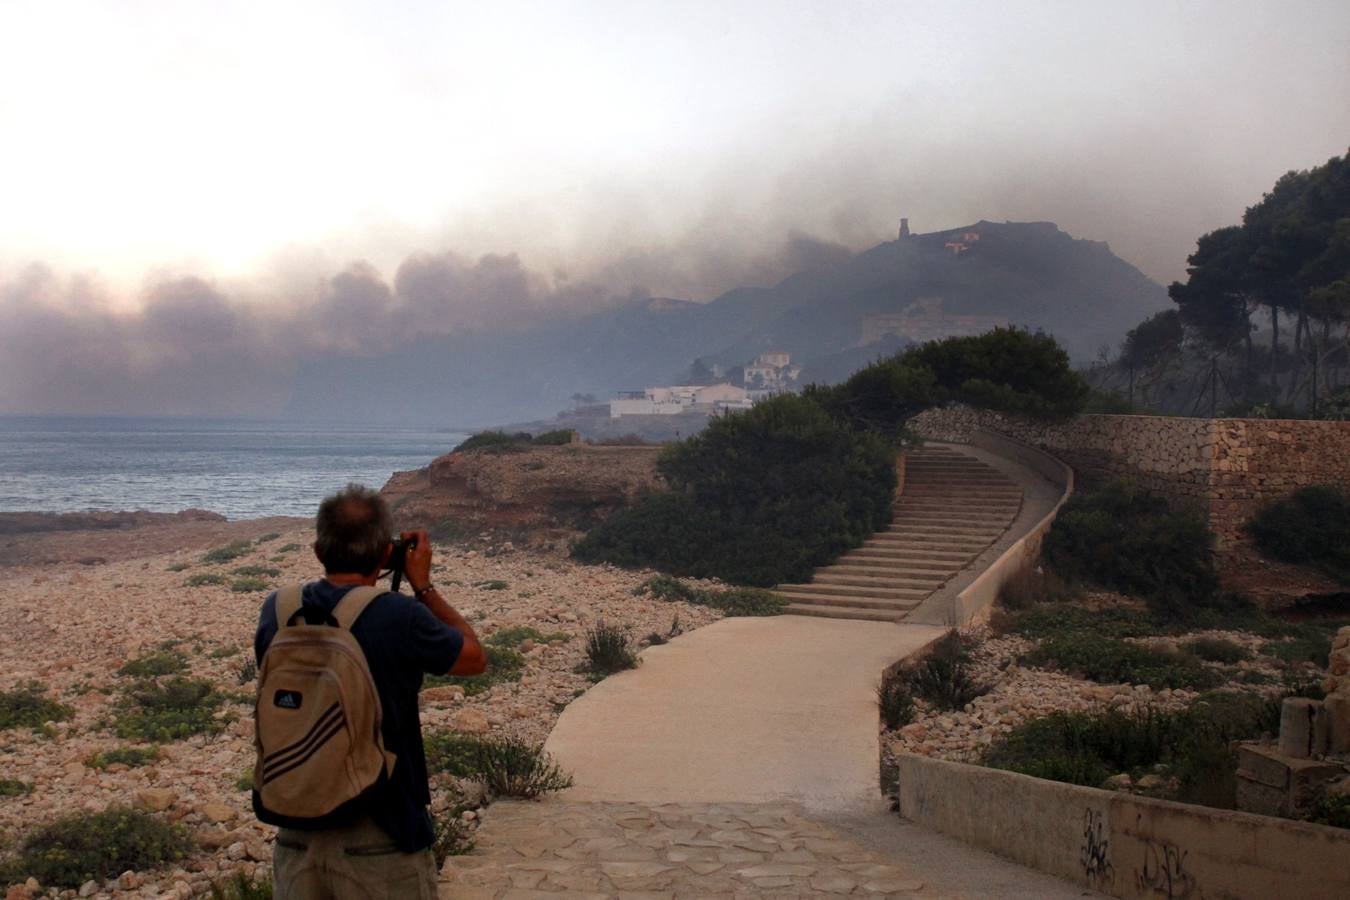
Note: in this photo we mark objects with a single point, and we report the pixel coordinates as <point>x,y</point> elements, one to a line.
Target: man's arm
<point>472,659</point>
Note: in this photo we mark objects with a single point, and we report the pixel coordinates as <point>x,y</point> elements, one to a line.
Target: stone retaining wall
<point>1230,467</point>
<point>1121,844</point>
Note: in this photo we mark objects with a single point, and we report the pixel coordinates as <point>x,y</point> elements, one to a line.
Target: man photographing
<point>341,768</point>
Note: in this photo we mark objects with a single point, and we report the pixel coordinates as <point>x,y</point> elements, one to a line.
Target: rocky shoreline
<point>71,627</point>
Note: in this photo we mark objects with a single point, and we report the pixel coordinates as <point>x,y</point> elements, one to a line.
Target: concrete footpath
<point>745,710</point>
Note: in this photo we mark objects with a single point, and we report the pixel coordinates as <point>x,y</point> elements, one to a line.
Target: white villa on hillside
<point>769,374</point>
<point>669,401</point>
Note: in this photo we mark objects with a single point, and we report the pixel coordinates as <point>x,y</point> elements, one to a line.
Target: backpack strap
<point>353,603</point>
<point>288,604</point>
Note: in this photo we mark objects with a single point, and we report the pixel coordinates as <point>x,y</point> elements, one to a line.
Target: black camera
<point>398,560</point>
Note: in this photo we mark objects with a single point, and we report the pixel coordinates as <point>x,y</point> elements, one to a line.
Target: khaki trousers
<point>359,862</point>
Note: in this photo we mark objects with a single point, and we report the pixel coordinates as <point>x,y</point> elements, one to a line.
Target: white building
<point>674,399</point>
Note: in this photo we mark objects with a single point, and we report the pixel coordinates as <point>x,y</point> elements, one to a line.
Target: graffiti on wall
<point>1163,873</point>
<point>1095,852</point>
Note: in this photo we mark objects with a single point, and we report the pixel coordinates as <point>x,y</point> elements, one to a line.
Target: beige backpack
<point>317,714</point>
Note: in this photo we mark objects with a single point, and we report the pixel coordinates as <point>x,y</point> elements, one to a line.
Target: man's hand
<point>418,566</point>
<point>472,658</point>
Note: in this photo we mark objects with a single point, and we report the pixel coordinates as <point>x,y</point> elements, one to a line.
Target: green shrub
<point>1108,402</point>
<point>135,757</point>
<point>248,585</point>
<point>232,550</point>
<point>1309,527</point>
<point>162,662</point>
<point>224,652</point>
<point>943,677</point>
<point>508,766</point>
<point>516,635</point>
<point>452,836</point>
<point>1125,538</point>
<point>178,567</point>
<point>245,781</point>
<point>1032,585</point>
<point>503,664</point>
<point>27,706</point>
<point>1194,744</point>
<point>256,571</point>
<point>247,670</point>
<point>270,536</point>
<point>96,846</point>
<point>1333,811</point>
<point>1219,650</point>
<point>732,602</point>
<point>1109,661</point>
<point>288,548</point>
<point>757,498</point>
<point>1308,647</point>
<point>1045,621</point>
<point>13,787</point>
<point>493,585</point>
<point>895,701</point>
<point>553,438</point>
<point>169,710</point>
<point>607,650</point>
<point>241,887</point>
<point>492,440</point>
<point>511,767</point>
<point>204,578</point>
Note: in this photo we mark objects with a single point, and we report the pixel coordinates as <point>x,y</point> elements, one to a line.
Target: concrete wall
<point>1124,845</point>
<point>977,599</point>
<point>1230,467</point>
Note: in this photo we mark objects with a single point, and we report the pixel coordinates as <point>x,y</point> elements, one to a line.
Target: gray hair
<point>353,529</point>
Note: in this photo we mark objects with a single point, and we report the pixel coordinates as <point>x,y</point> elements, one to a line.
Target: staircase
<point>951,508</point>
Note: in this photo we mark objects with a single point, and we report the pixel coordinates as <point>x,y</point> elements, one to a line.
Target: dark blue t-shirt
<point>402,641</point>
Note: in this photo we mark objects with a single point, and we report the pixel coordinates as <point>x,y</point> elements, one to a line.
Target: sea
<point>240,468</point>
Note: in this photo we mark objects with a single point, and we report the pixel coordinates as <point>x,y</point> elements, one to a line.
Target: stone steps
<point>952,507</point>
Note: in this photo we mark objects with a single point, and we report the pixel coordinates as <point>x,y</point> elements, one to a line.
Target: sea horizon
<point>239,467</point>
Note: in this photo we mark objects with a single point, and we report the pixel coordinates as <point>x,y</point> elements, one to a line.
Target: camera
<point>398,560</point>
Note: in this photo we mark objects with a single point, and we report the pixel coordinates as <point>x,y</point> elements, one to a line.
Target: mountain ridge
<point>966,279</point>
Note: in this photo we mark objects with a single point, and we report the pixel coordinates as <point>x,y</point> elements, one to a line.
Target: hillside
<point>964,280</point>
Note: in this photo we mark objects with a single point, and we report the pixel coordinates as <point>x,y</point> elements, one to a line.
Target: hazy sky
<point>671,147</point>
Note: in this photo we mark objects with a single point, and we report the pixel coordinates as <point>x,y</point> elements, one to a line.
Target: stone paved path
<point>634,850</point>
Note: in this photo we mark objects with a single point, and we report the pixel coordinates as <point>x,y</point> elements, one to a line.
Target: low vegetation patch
<point>96,846</point>
<point>1032,585</point>
<point>515,635</point>
<point>1309,527</point>
<point>288,548</point>
<point>732,602</point>
<point>501,441</point>
<point>161,662</point>
<point>1192,745</point>
<point>27,706</point>
<point>270,536</point>
<point>249,585</point>
<point>133,757</point>
<point>493,585</point>
<point>1123,537</point>
<point>503,664</point>
<point>895,700</point>
<point>1109,661</point>
<point>256,571</point>
<point>608,651</point>
<point>509,767</point>
<point>201,579</point>
<point>943,678</point>
<point>231,551</point>
<point>13,787</point>
<point>241,887</point>
<point>179,567</point>
<point>1218,650</point>
<point>170,710</point>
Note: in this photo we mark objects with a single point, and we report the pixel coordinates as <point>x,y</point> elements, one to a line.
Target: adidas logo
<point>287,699</point>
